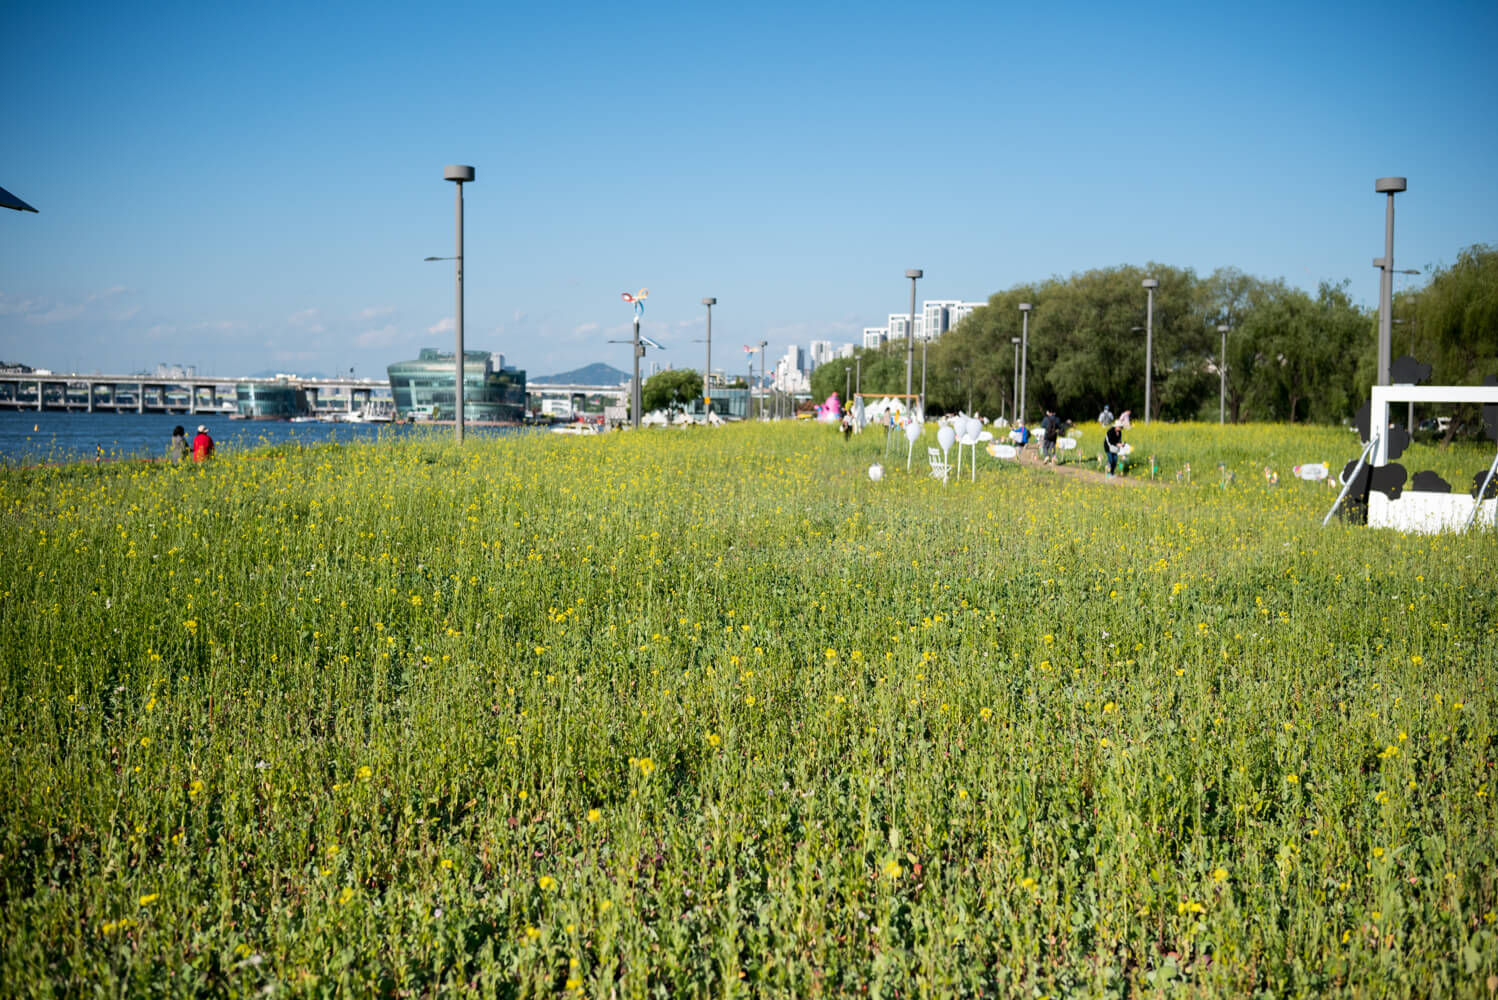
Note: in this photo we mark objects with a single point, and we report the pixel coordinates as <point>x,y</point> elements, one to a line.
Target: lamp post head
<point>915,273</point>
<point>1389,185</point>
<point>1149,283</point>
<point>1014,340</point>
<point>710,302</point>
<point>1223,328</point>
<point>457,172</point>
<point>1025,307</point>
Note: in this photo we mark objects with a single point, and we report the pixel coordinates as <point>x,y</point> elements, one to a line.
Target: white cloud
<point>583,328</point>
<point>382,337</point>
<point>53,311</point>
<point>444,325</point>
<point>307,320</point>
<point>160,330</point>
<point>374,312</point>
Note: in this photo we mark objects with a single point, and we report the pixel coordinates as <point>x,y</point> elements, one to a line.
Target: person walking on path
<point>1113,441</point>
<point>1050,430</point>
<point>1106,417</point>
<point>202,445</point>
<point>177,450</point>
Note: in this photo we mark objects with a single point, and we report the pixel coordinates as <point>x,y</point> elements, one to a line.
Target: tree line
<point>1291,355</point>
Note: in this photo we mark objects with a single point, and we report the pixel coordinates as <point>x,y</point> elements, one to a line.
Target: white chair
<point>939,466</point>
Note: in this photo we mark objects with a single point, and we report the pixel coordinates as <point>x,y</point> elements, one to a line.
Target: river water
<point>31,438</point>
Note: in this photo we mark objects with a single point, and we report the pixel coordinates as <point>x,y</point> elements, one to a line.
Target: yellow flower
<point>1187,906</point>
<point>893,869</point>
<point>1378,852</point>
<point>593,814</point>
<point>365,773</point>
<point>547,883</point>
<point>713,739</point>
<point>346,895</point>
<point>531,933</point>
<point>1292,778</point>
<point>647,766</point>
<point>446,863</point>
<point>147,900</point>
<point>1219,874</point>
<point>983,713</point>
<point>1028,884</point>
<point>196,786</point>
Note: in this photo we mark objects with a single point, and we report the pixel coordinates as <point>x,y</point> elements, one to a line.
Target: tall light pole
<point>762,345</point>
<point>707,372</point>
<point>1024,358</point>
<point>858,374</point>
<point>1222,376</point>
<point>847,382</point>
<point>1389,186</point>
<point>913,274</point>
<point>1150,284</point>
<point>1014,400</point>
<point>1379,263</point>
<point>459,175</point>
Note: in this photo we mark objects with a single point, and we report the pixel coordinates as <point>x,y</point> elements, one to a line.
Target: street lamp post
<point>459,174</point>
<point>707,372</point>
<point>762,345</point>
<point>1150,284</point>
<point>1014,400</point>
<point>1222,376</point>
<point>1024,359</point>
<point>913,274</point>
<point>847,382</point>
<point>1389,186</point>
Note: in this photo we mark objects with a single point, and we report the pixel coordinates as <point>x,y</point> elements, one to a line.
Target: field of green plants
<point>710,713</point>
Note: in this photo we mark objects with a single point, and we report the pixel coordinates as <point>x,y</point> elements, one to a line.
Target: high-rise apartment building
<point>873,336</point>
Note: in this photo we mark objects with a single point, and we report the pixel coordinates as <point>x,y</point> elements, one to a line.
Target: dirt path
<point>1079,469</point>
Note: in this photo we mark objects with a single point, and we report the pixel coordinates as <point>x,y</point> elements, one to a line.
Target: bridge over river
<point>160,394</point>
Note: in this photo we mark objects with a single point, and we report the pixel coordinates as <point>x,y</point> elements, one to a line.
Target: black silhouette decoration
<point>1407,371</point>
<point>1429,482</point>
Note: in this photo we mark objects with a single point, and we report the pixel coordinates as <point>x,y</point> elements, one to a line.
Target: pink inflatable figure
<point>831,411</point>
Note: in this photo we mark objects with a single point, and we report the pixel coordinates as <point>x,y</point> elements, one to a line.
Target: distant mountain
<point>597,373</point>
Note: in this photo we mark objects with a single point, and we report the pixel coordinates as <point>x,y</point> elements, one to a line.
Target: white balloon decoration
<point>876,472</point>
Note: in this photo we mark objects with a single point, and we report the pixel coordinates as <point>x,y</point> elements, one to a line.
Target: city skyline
<point>214,190</point>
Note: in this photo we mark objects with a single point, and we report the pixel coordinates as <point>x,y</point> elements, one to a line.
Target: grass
<point>711,713</point>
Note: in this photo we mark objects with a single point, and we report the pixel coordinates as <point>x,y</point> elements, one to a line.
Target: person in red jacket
<point>202,445</point>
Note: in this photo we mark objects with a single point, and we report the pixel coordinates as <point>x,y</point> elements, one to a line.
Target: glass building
<point>270,400</point>
<point>424,388</point>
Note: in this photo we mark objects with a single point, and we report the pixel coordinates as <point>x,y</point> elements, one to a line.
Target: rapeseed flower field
<point>694,713</point>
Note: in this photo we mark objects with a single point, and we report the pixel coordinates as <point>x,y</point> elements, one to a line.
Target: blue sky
<point>252,187</point>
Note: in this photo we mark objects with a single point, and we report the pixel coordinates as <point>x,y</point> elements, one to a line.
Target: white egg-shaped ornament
<point>876,472</point>
<point>945,437</point>
<point>913,432</point>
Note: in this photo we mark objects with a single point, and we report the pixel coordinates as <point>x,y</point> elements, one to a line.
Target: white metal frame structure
<point>1416,510</point>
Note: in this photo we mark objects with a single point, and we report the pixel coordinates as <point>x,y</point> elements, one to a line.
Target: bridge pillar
<point>140,397</point>
<point>88,387</point>
<point>38,394</point>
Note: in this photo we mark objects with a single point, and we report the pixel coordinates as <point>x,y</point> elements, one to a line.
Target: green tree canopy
<point>671,390</point>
